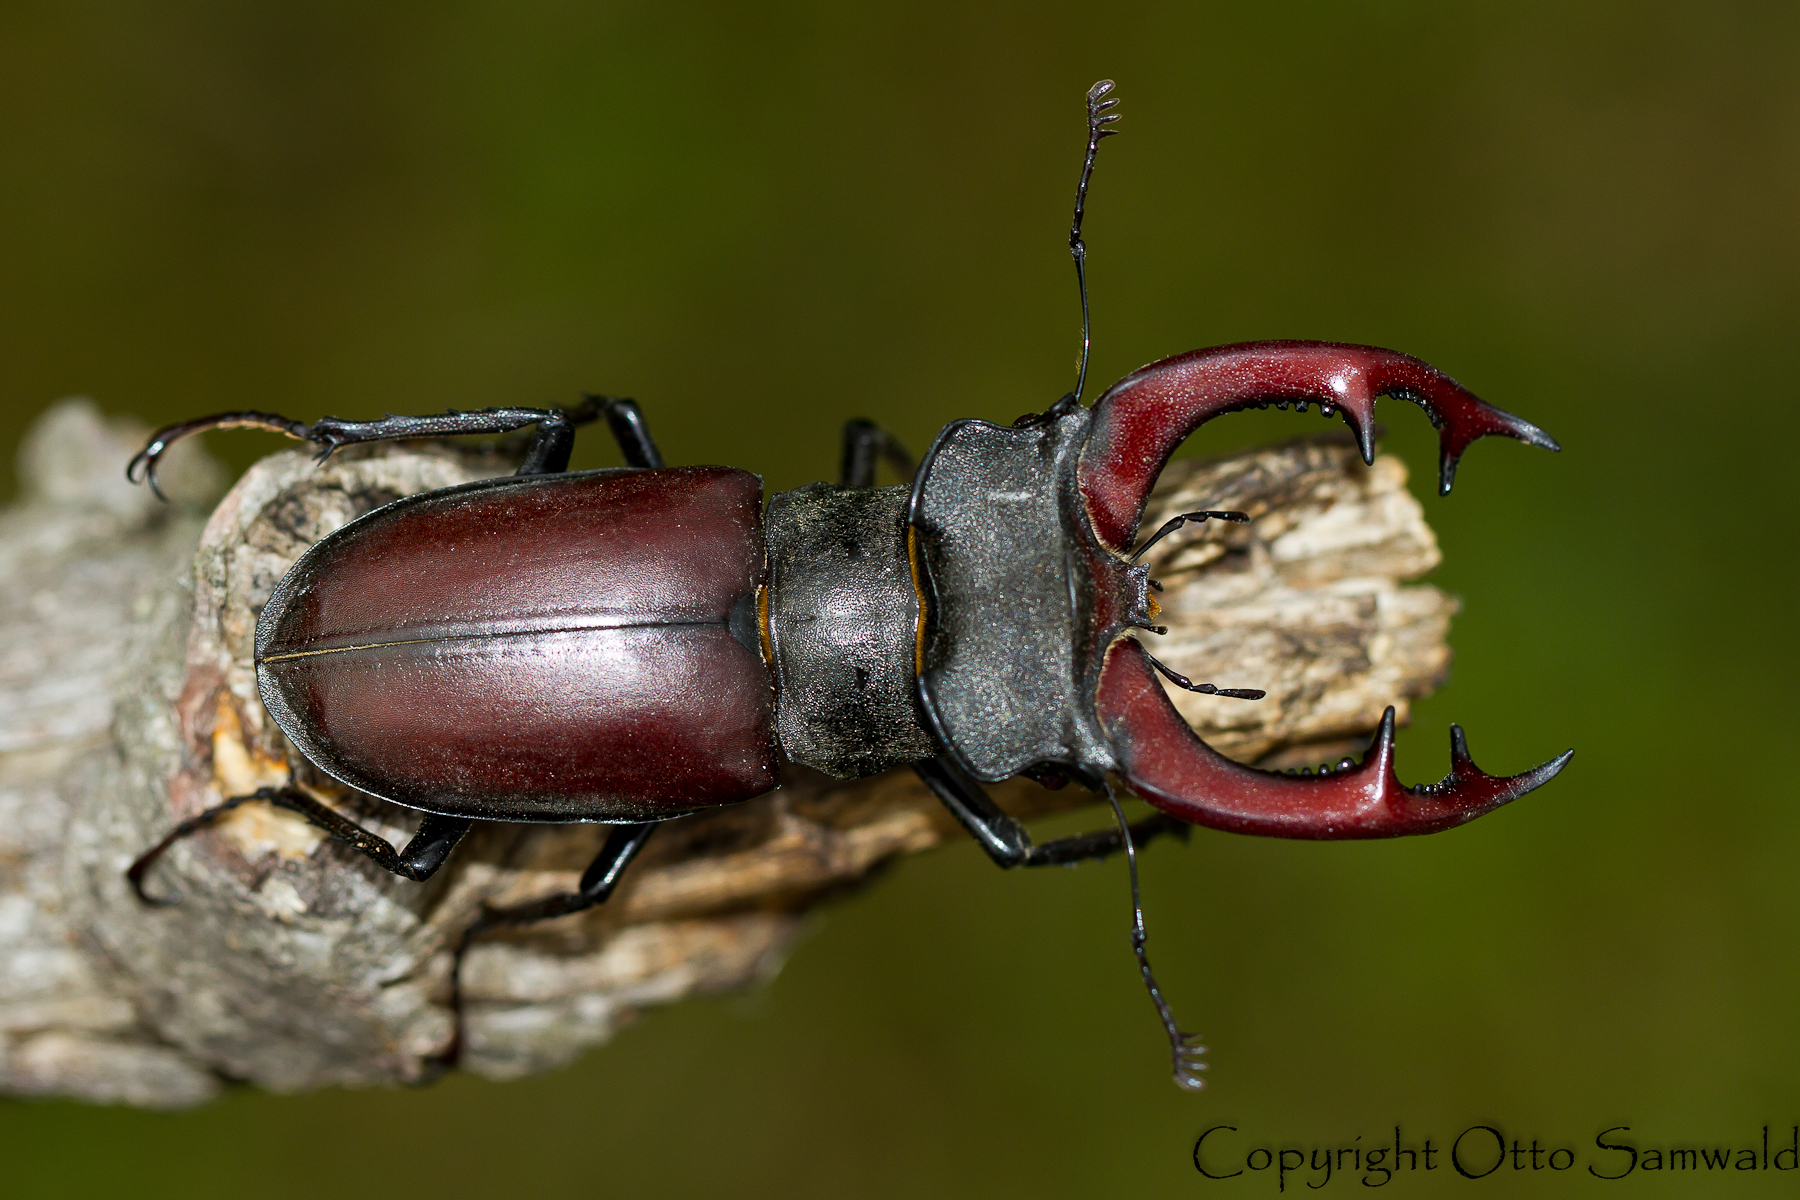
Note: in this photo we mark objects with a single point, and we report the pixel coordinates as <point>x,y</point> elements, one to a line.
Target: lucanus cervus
<point>631,645</point>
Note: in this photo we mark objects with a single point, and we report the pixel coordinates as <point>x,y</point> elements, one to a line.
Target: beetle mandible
<point>630,645</point>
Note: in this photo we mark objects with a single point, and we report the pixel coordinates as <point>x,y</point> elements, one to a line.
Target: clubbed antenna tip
<point>1187,1056</point>
<point>1100,118</point>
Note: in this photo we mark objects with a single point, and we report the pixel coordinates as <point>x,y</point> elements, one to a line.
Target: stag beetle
<point>631,645</point>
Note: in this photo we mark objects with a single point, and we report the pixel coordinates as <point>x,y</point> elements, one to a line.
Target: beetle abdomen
<point>544,648</point>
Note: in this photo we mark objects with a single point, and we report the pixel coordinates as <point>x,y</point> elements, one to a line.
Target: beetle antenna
<point>1185,1051</point>
<point>1100,117</point>
<point>1176,522</point>
<point>1205,689</point>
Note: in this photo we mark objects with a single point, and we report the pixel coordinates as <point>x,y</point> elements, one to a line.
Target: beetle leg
<point>1005,838</point>
<point>1141,419</point>
<point>142,467</point>
<point>597,883</point>
<point>547,452</point>
<point>865,444</point>
<point>427,850</point>
<point>1009,845</point>
<point>626,421</point>
<point>142,864</point>
<point>1163,761</point>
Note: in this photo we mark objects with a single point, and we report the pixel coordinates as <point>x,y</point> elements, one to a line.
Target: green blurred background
<point>763,219</point>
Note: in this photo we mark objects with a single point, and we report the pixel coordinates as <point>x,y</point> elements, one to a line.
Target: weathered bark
<point>128,700</point>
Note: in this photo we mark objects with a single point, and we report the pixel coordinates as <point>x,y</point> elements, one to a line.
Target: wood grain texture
<point>128,700</point>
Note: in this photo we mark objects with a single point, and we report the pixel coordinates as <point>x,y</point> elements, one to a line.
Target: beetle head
<point>1137,425</point>
<point>1030,658</point>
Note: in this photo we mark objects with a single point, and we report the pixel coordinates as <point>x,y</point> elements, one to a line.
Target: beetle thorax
<point>842,620</point>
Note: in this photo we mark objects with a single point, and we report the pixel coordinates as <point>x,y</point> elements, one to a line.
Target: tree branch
<point>128,701</point>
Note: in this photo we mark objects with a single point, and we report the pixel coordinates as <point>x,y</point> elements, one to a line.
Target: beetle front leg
<point>1007,841</point>
<point>1009,845</point>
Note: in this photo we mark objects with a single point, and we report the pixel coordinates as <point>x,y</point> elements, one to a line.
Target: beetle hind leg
<point>546,452</point>
<point>142,467</point>
<point>427,850</point>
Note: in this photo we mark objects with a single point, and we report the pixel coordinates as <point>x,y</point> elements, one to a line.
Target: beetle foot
<point>142,467</point>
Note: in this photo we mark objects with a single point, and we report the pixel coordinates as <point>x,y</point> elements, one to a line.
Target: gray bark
<point>128,701</point>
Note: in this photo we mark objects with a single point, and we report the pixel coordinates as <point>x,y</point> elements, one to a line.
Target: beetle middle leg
<point>625,420</point>
<point>597,883</point>
<point>427,850</point>
<point>865,445</point>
